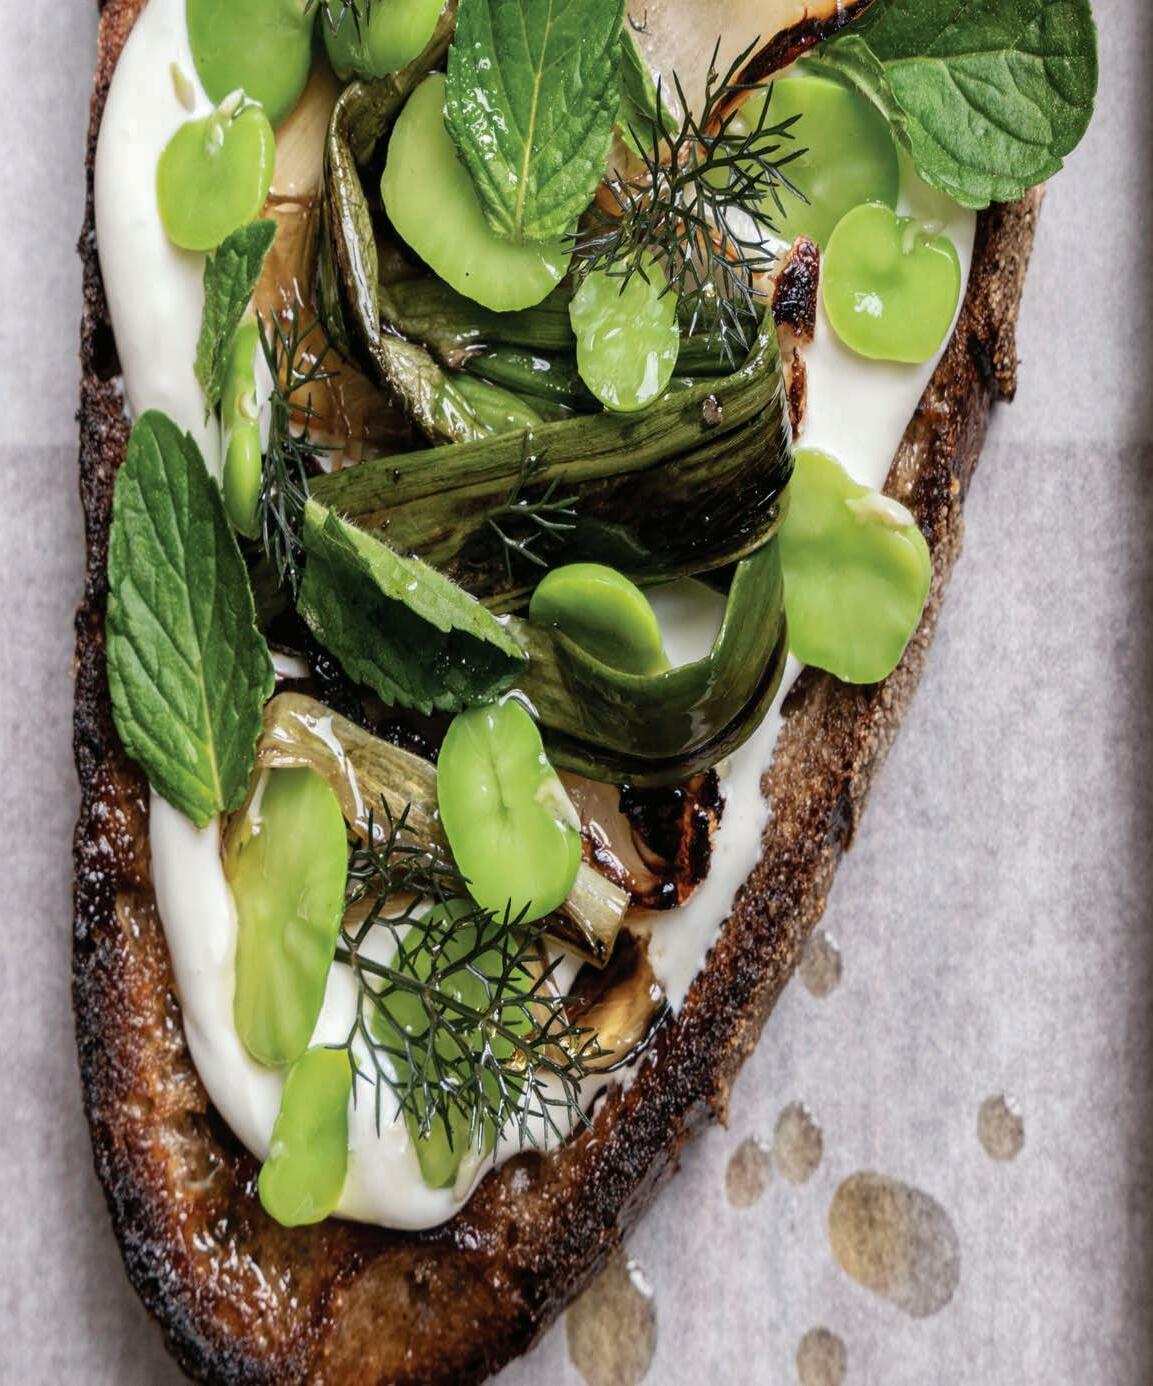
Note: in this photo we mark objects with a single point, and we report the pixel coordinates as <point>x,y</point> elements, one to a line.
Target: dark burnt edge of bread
<point>243,1300</point>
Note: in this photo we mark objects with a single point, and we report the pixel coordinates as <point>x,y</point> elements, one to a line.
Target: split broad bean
<point>240,419</point>
<point>430,200</point>
<point>214,174</point>
<point>511,826</point>
<point>301,1181</point>
<point>890,286</point>
<point>373,39</point>
<point>627,334</point>
<point>604,613</point>
<point>857,572</point>
<point>261,47</point>
<point>287,863</point>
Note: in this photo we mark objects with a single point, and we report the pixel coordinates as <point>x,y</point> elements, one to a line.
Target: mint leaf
<point>187,669</point>
<point>641,114</point>
<point>231,274</point>
<point>531,99</point>
<point>396,624</point>
<point>988,96</point>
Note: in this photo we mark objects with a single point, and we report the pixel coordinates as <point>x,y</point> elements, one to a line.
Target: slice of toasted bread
<point>244,1300</point>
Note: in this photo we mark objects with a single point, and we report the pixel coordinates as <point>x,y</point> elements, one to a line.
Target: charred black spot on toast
<point>795,289</point>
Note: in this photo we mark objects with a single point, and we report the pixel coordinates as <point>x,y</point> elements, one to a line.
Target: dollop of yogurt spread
<point>857,410</point>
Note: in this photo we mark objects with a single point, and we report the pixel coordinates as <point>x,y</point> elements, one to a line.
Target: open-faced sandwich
<point>523,446</point>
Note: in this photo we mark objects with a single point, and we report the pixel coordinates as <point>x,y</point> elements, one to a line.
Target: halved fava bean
<point>239,416</point>
<point>857,572</point>
<point>604,613</point>
<point>430,200</point>
<point>286,859</point>
<point>263,47</point>
<point>373,39</point>
<point>301,1181</point>
<point>848,157</point>
<point>890,286</point>
<point>214,174</point>
<point>512,828</point>
<point>403,1022</point>
<point>628,337</point>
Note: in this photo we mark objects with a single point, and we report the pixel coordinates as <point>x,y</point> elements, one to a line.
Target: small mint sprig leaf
<point>987,96</point>
<point>532,95</point>
<point>397,625</point>
<point>231,274</point>
<point>641,115</point>
<point>188,671</point>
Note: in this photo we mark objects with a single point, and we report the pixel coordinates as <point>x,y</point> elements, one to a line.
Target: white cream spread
<point>857,411</point>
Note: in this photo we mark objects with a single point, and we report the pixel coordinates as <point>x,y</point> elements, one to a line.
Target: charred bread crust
<point>241,1299</point>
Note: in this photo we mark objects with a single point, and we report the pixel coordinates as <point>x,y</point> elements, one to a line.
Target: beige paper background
<point>994,916</point>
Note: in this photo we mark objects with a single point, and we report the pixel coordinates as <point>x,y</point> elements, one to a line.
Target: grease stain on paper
<point>611,1329</point>
<point>821,1359</point>
<point>896,1241</point>
<point>1001,1127</point>
<point>748,1173</point>
<point>820,966</point>
<point>797,1144</point>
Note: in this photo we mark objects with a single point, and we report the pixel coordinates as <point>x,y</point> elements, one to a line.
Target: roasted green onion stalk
<point>377,784</point>
<point>691,484</point>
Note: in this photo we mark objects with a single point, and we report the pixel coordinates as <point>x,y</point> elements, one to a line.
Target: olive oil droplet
<point>1000,1128</point>
<point>821,1359</point>
<point>611,1329</point>
<point>748,1173</point>
<point>797,1144</point>
<point>820,965</point>
<point>896,1241</point>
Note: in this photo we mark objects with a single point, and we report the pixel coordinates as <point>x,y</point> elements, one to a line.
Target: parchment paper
<point>994,916</point>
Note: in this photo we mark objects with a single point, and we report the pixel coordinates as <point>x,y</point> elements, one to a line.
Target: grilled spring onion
<point>430,311</point>
<point>415,335</point>
<point>663,728</point>
<point>377,783</point>
<point>348,272</point>
<point>689,485</point>
<point>381,613</point>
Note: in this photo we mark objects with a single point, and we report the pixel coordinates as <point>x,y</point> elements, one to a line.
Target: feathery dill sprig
<point>336,12</point>
<point>465,1021</point>
<point>294,369</point>
<point>524,525</point>
<point>698,206</point>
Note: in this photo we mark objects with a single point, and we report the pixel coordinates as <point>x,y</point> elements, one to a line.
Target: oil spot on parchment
<point>611,1329</point>
<point>1001,1127</point>
<point>797,1144</point>
<point>896,1241</point>
<point>820,965</point>
<point>821,1359</point>
<point>748,1173</point>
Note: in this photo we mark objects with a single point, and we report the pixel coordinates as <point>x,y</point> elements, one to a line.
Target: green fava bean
<point>240,418</point>
<point>443,1147</point>
<point>849,155</point>
<point>509,822</point>
<point>890,289</point>
<point>214,175</point>
<point>628,337</point>
<point>430,200</point>
<point>262,47</point>
<point>604,613</point>
<point>287,863</point>
<point>301,1181</point>
<point>386,38</point>
<point>857,572</point>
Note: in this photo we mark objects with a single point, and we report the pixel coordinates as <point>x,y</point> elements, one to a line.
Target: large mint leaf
<point>988,96</point>
<point>397,625</point>
<point>188,670</point>
<point>531,99</point>
<point>231,274</point>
